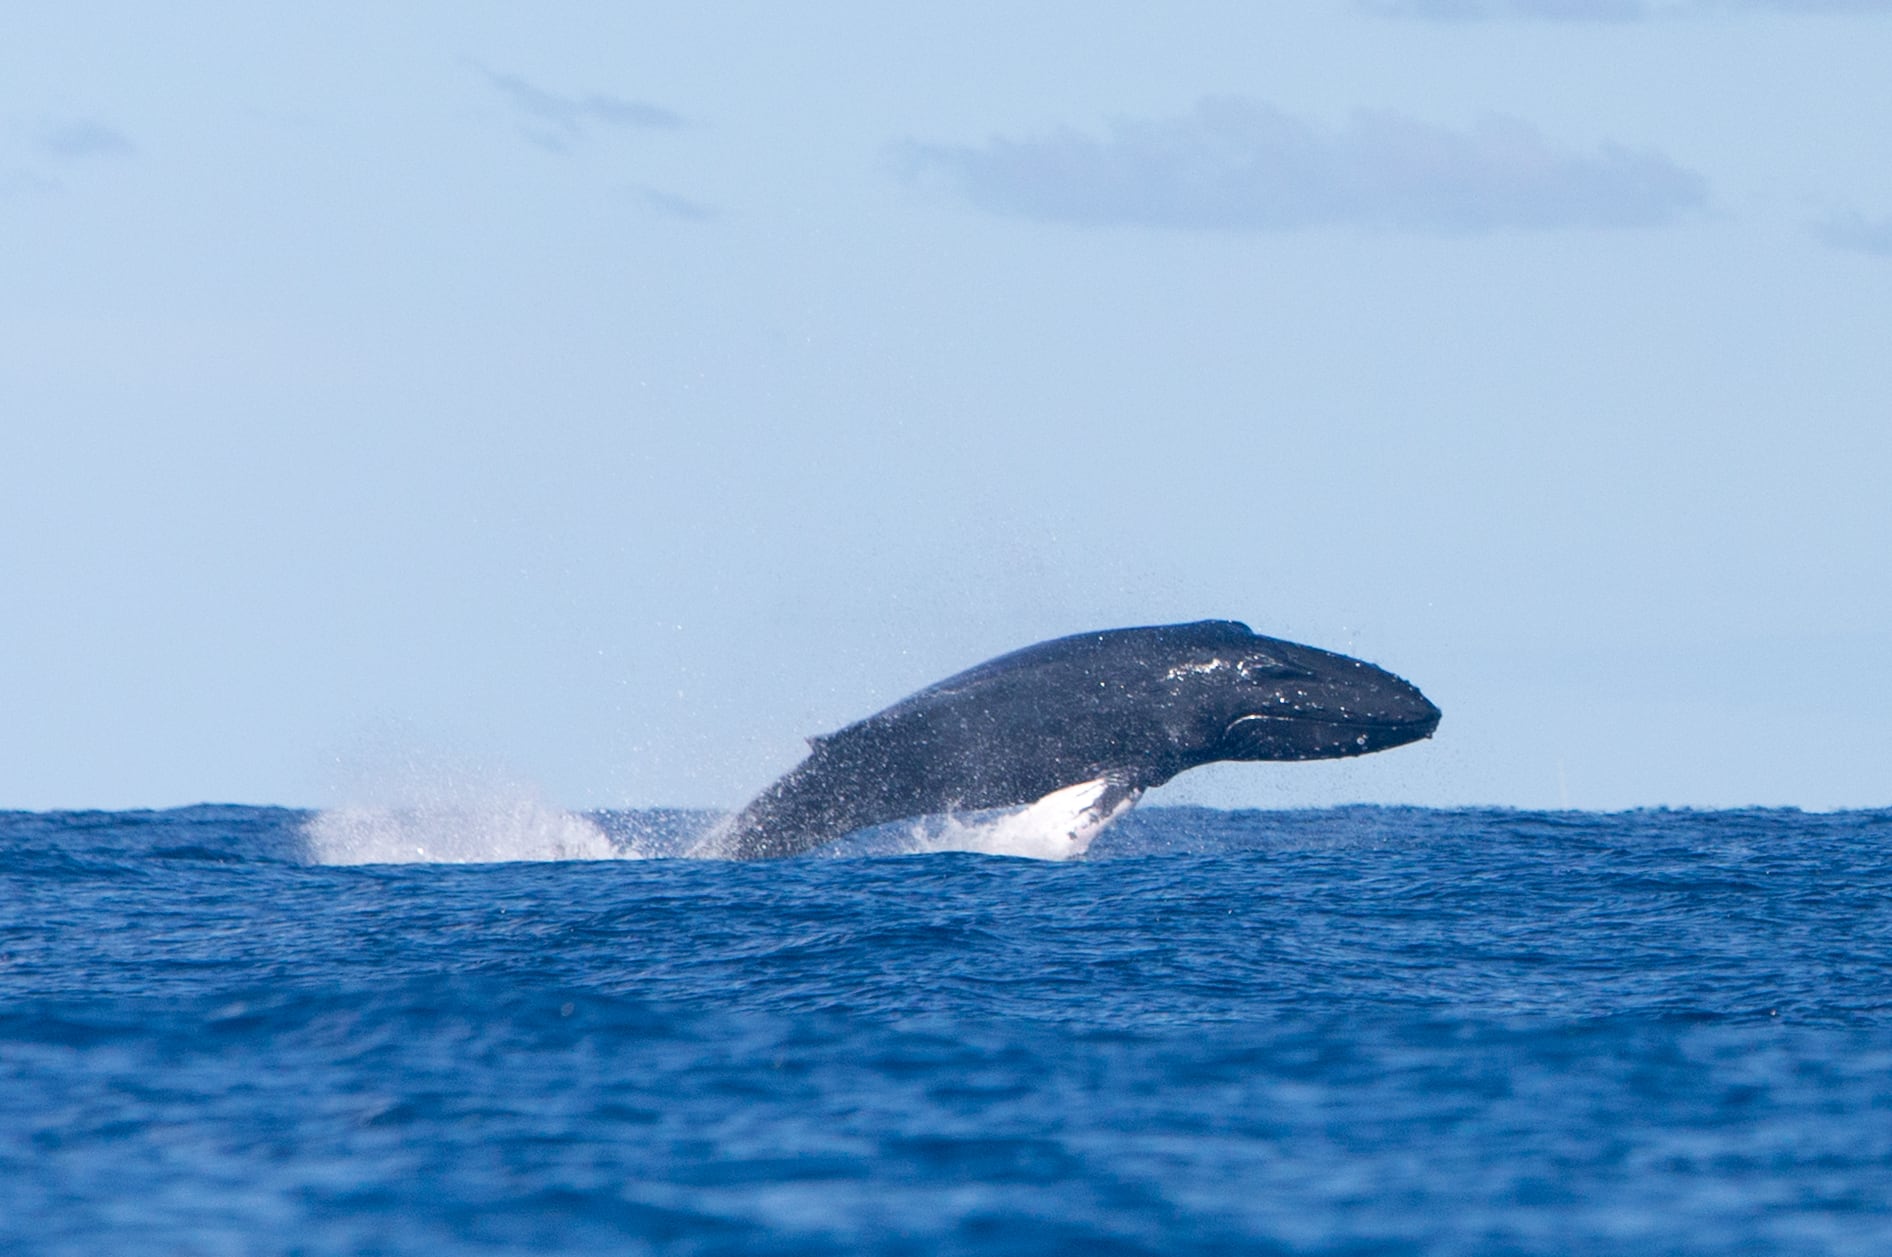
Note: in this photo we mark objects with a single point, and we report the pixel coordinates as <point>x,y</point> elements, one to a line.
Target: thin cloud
<point>670,205</point>
<point>558,123</point>
<point>83,139</point>
<point>15,183</point>
<point>1797,6</point>
<point>1484,10</point>
<point>1241,165</point>
<point>1856,233</point>
<point>1605,10</point>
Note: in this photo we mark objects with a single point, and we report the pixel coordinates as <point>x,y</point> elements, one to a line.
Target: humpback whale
<point>1078,728</point>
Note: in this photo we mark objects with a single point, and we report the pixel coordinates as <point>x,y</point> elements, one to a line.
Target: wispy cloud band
<point>1240,165</point>
<point>556,122</point>
<point>83,138</point>
<point>1608,10</point>
<point>1856,233</point>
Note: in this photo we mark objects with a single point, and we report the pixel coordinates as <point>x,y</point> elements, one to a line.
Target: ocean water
<point>1367,1030</point>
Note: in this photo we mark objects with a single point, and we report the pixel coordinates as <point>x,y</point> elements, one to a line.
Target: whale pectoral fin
<point>1063,823</point>
<point>1113,800</point>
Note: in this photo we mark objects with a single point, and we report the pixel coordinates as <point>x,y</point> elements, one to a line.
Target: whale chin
<point>1265,736</point>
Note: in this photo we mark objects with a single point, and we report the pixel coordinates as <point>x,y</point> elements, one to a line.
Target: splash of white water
<point>401,801</point>
<point>523,829</point>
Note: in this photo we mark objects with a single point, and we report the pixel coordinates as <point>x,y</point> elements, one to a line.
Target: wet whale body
<point>1078,728</point>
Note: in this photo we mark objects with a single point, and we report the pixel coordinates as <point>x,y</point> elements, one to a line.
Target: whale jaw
<point>1264,736</point>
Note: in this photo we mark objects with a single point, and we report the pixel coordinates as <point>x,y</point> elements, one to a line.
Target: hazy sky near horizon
<point>605,396</point>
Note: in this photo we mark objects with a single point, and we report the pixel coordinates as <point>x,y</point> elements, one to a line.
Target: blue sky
<point>611,398</point>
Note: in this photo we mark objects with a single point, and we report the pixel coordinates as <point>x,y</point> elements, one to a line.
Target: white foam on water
<point>526,829</point>
<point>402,802</point>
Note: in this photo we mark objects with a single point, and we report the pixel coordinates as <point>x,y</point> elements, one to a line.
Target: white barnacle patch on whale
<point>1195,667</point>
<point>1243,668</point>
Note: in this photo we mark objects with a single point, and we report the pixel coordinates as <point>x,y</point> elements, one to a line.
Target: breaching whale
<point>1079,728</point>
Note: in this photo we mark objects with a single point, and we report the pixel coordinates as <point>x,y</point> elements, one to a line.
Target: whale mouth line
<point>1383,726</point>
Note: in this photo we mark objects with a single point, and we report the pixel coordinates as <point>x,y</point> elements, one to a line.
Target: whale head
<point>1277,700</point>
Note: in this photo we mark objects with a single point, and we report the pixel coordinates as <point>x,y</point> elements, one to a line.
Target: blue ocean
<point>241,1030</point>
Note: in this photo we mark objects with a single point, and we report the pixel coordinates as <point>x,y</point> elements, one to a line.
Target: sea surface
<point>237,1030</point>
